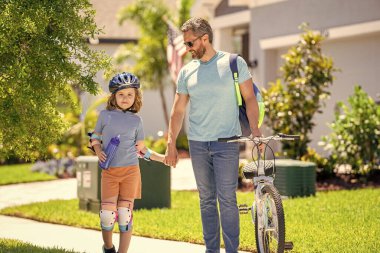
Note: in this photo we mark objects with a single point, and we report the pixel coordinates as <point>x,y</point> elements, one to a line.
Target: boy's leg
<point>125,208</point>
<point>108,212</point>
<point>106,217</point>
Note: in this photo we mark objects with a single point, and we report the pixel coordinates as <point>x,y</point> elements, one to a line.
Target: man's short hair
<point>199,27</point>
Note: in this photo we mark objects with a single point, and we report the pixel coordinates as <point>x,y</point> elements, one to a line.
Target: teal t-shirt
<point>214,112</point>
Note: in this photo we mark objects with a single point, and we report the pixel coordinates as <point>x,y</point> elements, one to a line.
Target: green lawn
<point>21,173</point>
<point>336,222</point>
<point>15,246</point>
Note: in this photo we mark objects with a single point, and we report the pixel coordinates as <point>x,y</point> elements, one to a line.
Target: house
<point>263,30</point>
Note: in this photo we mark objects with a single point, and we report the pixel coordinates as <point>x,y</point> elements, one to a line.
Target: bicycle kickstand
<point>288,245</point>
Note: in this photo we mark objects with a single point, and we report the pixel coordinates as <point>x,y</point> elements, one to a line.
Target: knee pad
<point>107,219</point>
<point>124,219</point>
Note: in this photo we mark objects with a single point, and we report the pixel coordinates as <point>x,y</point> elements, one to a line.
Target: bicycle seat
<point>250,169</point>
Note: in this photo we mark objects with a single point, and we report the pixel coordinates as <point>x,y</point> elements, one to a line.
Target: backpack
<point>244,123</point>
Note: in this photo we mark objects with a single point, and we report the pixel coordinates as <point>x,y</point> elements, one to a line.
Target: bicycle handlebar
<point>277,137</point>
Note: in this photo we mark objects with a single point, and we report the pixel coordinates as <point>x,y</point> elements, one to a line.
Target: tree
<point>307,75</point>
<point>43,55</point>
<point>149,54</point>
<point>355,133</point>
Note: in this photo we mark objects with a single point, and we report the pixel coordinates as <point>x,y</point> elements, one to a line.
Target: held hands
<point>171,155</point>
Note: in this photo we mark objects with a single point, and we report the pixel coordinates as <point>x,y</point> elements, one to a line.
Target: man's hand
<point>171,155</point>
<point>257,133</point>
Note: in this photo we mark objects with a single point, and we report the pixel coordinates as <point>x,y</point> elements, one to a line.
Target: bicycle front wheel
<point>270,222</point>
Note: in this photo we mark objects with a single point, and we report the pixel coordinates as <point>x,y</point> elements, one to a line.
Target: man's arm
<point>175,124</point>
<point>246,90</point>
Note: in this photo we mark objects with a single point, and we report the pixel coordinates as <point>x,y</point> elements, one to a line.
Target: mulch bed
<point>348,182</point>
<point>335,182</point>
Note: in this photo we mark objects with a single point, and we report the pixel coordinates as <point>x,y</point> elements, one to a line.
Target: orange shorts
<point>121,181</point>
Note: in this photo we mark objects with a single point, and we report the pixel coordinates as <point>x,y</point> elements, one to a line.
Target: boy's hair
<point>111,103</point>
<point>199,27</point>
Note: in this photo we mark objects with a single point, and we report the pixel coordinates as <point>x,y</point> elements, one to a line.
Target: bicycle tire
<point>263,238</point>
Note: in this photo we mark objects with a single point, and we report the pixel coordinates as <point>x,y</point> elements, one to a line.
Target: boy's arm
<point>148,153</point>
<point>95,142</point>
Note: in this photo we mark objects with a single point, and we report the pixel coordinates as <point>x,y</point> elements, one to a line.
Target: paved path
<point>82,240</point>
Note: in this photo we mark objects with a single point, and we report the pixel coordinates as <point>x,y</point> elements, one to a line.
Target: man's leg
<point>204,176</point>
<point>226,162</point>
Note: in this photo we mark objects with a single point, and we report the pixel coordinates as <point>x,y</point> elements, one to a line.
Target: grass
<point>15,246</point>
<point>21,173</point>
<point>340,221</point>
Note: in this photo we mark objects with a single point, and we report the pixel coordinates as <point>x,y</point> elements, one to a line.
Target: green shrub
<point>291,105</point>
<point>159,145</point>
<point>182,142</point>
<point>324,167</point>
<point>355,133</point>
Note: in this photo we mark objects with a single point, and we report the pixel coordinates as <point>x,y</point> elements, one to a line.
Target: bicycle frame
<point>266,210</point>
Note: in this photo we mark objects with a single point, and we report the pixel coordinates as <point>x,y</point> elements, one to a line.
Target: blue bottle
<point>110,152</point>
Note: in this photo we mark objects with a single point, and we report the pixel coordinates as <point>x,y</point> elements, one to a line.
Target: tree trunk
<point>163,104</point>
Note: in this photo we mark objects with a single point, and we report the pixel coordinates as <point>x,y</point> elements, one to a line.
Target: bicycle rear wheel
<point>270,222</point>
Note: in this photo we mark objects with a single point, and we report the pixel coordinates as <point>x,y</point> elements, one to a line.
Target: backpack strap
<point>235,76</point>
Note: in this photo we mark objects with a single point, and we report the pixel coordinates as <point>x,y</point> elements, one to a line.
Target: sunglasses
<point>190,44</point>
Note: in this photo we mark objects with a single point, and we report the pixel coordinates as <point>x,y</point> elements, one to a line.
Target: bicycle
<point>267,211</point>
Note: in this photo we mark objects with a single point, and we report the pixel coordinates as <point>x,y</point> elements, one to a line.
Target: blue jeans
<point>215,167</point>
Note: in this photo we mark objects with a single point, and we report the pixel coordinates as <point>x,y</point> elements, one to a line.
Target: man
<point>207,83</point>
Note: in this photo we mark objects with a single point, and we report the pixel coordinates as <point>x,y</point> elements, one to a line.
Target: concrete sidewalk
<point>83,240</point>
<point>77,239</point>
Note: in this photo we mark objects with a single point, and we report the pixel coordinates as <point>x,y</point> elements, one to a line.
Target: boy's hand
<point>101,155</point>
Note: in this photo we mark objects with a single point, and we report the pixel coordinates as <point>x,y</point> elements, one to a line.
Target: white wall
<point>358,59</point>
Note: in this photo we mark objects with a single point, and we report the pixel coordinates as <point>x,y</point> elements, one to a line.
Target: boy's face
<point>125,98</point>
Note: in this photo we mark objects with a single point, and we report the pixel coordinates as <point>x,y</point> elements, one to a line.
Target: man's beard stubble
<point>198,54</point>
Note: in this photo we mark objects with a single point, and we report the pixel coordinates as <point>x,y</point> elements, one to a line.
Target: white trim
<point>238,2</point>
<point>231,20</point>
<point>333,34</point>
<point>252,3</point>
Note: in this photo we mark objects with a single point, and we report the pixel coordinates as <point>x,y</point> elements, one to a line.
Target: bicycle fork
<point>244,209</point>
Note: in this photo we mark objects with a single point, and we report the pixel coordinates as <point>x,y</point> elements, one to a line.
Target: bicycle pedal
<point>288,246</point>
<point>244,209</point>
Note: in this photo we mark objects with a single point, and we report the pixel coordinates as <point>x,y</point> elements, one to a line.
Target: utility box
<point>295,178</point>
<point>88,183</point>
<point>155,177</point>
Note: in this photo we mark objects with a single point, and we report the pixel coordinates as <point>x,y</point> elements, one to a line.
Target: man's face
<point>194,44</point>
